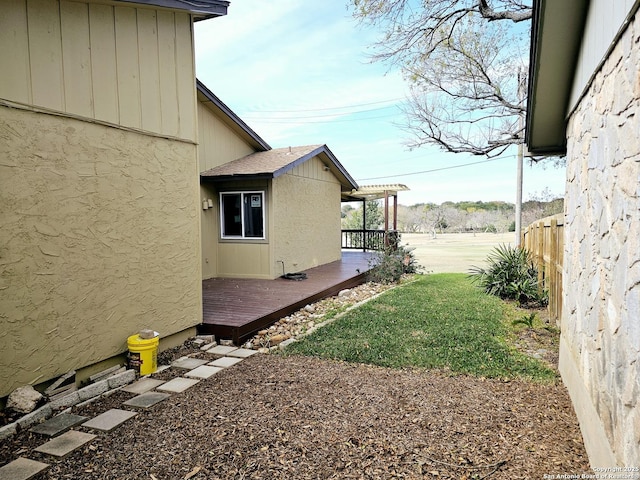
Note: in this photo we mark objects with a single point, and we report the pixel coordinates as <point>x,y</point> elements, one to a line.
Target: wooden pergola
<point>376,192</point>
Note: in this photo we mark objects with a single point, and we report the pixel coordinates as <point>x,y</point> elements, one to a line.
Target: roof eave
<point>227,178</point>
<point>201,10</point>
<point>233,119</point>
<point>556,34</point>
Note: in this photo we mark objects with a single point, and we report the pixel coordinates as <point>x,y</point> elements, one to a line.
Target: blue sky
<point>298,73</point>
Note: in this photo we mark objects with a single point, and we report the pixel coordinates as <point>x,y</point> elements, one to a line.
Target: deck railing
<point>544,239</point>
<point>364,240</point>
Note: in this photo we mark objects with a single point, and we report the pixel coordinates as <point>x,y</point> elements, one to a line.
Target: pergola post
<point>395,212</point>
<point>364,224</point>
<point>386,210</point>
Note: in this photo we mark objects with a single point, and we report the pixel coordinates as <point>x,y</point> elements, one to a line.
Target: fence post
<point>553,261</point>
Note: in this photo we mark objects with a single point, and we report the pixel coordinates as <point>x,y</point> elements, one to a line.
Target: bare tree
<point>461,59</point>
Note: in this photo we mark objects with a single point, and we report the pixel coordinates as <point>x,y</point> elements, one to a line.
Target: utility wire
<point>249,117</point>
<point>326,108</point>
<point>335,120</point>
<point>437,169</point>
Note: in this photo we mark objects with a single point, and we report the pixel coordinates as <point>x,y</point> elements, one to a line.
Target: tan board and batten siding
<point>127,66</point>
<point>99,217</point>
<point>219,144</point>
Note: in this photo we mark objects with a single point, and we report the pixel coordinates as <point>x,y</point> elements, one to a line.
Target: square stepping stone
<point>21,469</point>
<point>109,420</point>
<point>188,363</point>
<point>225,362</point>
<point>58,424</point>
<point>242,353</point>
<point>178,385</point>
<point>65,444</point>
<point>147,400</point>
<point>143,385</point>
<point>205,371</point>
<point>221,350</point>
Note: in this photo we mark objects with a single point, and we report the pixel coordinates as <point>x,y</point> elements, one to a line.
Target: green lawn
<point>439,321</point>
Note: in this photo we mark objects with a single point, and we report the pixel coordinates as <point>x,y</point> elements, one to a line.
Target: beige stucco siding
<point>127,66</point>
<point>306,217</point>
<point>100,230</point>
<point>218,144</point>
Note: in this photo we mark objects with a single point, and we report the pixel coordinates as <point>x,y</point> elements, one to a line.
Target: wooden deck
<point>238,308</point>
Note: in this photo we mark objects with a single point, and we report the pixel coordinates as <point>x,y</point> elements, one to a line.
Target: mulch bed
<point>274,417</point>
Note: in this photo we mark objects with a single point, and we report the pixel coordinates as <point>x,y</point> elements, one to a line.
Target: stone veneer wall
<point>600,343</point>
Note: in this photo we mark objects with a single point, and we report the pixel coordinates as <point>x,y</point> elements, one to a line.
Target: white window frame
<point>243,194</point>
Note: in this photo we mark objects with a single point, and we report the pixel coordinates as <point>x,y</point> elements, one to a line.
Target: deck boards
<point>238,308</point>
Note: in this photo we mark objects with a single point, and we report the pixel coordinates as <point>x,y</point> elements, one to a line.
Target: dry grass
<point>454,252</point>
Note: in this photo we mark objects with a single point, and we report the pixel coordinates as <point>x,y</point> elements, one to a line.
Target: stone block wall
<point>600,345</point>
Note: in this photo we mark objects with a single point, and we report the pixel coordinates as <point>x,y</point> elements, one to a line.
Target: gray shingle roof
<point>275,162</point>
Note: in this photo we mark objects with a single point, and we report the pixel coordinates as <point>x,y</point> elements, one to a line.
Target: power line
<point>249,117</point>
<point>327,108</point>
<point>437,169</point>
<point>335,120</point>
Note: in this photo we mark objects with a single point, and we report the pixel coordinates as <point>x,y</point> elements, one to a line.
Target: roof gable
<point>229,118</point>
<point>276,162</point>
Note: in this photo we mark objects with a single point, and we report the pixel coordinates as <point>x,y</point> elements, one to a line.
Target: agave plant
<point>510,274</point>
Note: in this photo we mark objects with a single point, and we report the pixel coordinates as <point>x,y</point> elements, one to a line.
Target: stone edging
<point>86,394</point>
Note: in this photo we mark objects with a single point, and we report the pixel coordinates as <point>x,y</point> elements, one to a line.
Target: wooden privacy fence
<point>544,239</point>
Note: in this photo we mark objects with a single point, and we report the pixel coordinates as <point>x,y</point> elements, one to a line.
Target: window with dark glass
<point>242,214</point>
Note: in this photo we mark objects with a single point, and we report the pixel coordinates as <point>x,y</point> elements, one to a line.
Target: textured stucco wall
<point>100,237</point>
<point>600,349</point>
<point>306,217</point>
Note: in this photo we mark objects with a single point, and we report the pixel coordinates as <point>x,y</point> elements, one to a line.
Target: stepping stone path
<point>65,444</point>
<point>203,371</point>
<point>66,440</point>
<point>58,424</point>
<point>109,420</point>
<point>147,400</point>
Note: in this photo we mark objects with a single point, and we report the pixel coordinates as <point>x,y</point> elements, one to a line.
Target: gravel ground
<point>274,417</point>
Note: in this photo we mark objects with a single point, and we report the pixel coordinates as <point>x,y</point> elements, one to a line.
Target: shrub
<point>389,265</point>
<point>512,275</point>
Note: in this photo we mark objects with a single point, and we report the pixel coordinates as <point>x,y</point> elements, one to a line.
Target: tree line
<point>453,217</point>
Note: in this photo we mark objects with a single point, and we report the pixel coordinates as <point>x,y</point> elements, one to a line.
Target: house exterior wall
<point>121,65</point>
<point>600,340</point>
<point>603,22</point>
<point>245,258</point>
<point>209,231</point>
<point>218,144</point>
<point>100,233</point>
<point>306,218</point>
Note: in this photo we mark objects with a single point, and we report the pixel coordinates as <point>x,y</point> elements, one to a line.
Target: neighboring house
<point>584,101</point>
<point>99,193</point>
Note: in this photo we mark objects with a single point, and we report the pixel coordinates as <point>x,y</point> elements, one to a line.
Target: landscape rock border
<point>84,395</point>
